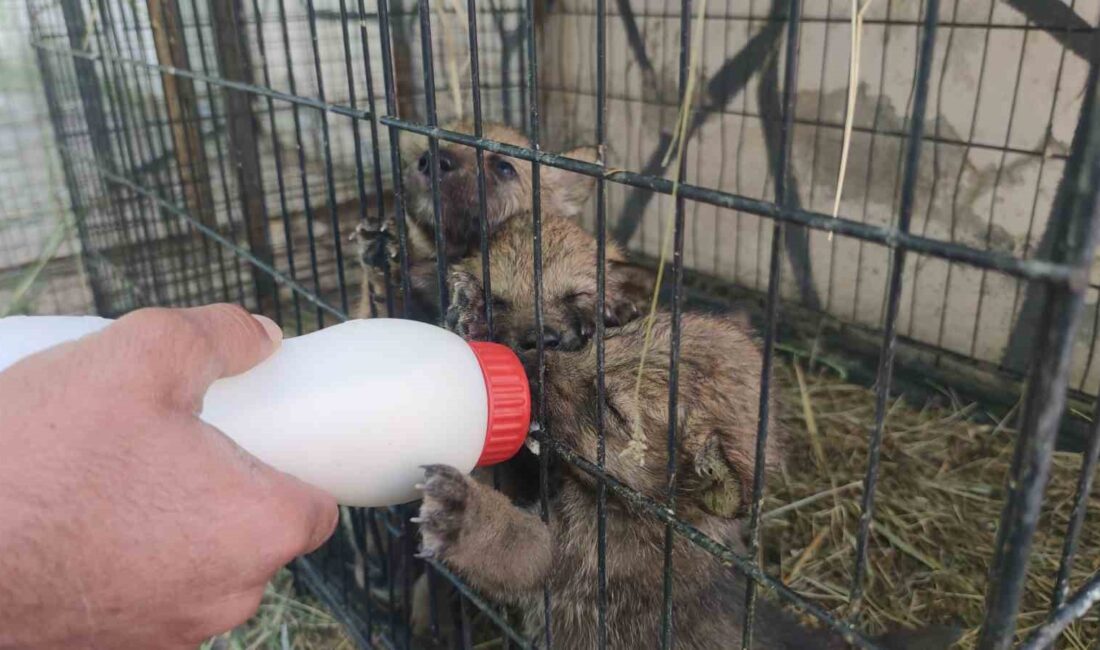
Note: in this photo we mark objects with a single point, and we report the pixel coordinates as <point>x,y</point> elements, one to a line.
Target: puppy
<point>508,553</point>
<point>508,194</point>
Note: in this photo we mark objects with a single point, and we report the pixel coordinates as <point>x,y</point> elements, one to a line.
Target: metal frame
<point>147,208</point>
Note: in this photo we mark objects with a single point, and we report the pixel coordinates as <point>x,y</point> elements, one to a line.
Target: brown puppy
<point>569,314</point>
<point>508,194</point>
<point>507,552</point>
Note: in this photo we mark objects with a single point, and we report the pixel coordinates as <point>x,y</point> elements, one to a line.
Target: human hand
<point>125,520</point>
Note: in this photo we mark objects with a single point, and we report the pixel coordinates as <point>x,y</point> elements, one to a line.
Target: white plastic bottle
<point>355,409</point>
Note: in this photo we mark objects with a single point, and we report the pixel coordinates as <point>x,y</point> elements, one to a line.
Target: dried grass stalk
<point>937,507</point>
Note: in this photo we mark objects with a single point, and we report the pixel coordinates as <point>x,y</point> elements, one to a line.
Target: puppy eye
<point>499,303</point>
<point>580,295</point>
<point>614,411</point>
<point>504,168</point>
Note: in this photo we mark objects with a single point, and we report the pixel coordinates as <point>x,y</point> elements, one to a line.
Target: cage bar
<point>889,341</point>
<point>1076,607</point>
<point>771,315</point>
<point>1089,459</point>
<point>277,148</point>
<point>667,623</point>
<point>434,162</point>
<point>1030,269</point>
<point>180,270</point>
<point>223,176</point>
<point>601,301</point>
<point>395,157</point>
<point>329,184</point>
<point>479,156</point>
<point>1047,382</point>
<point>532,100</point>
<point>306,199</point>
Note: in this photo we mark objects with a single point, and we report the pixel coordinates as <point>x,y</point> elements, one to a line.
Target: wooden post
<point>183,110</point>
<point>244,151</point>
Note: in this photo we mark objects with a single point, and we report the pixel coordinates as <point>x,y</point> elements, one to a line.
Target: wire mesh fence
<point>209,151</point>
<point>42,270</point>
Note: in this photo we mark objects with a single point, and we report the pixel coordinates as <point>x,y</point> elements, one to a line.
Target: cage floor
<point>939,499</point>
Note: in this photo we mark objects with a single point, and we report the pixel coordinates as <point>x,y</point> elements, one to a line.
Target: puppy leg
<point>466,308</point>
<point>378,259</point>
<point>501,550</point>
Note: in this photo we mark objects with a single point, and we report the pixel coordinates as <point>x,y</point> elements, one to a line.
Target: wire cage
<point>225,151</point>
<point>42,265</point>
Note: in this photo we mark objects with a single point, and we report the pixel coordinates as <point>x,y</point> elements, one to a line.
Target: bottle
<point>355,409</point>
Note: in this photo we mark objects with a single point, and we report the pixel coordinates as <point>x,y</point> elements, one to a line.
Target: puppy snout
<point>573,340</point>
<point>551,339</point>
<point>447,162</point>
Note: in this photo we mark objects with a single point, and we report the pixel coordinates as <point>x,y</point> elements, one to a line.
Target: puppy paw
<point>617,313</point>
<point>443,510</point>
<point>373,243</point>
<point>466,309</point>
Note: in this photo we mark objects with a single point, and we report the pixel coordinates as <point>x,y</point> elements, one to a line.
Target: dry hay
<point>937,505</point>
<point>285,620</point>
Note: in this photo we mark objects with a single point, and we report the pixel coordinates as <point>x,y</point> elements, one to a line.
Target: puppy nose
<point>551,339</point>
<point>447,162</point>
<point>573,340</point>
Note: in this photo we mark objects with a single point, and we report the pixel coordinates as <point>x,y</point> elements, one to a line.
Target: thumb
<point>237,340</point>
<point>183,351</point>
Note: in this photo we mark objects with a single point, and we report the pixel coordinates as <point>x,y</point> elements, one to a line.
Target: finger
<point>197,622</point>
<point>311,512</point>
<point>301,519</point>
<point>178,353</point>
<point>288,517</point>
<point>239,340</point>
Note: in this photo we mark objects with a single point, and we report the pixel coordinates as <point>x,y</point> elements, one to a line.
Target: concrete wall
<point>35,219</point>
<point>1003,105</point>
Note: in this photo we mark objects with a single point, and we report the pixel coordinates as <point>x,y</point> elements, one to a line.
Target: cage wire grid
<point>42,265</point>
<point>223,151</point>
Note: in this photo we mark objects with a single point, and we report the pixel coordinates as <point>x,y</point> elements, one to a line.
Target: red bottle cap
<point>509,401</point>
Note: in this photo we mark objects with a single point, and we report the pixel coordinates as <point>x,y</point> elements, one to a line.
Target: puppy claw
<point>443,509</point>
<point>465,313</point>
<point>372,244</point>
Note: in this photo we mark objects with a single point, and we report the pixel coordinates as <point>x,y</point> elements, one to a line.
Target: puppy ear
<point>568,191</point>
<point>413,145</point>
<point>629,292</point>
<point>723,478</point>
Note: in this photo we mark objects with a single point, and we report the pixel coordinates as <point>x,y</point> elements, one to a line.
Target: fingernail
<point>274,332</point>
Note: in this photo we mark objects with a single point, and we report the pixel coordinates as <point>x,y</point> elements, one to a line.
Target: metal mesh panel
<point>1004,93</point>
<point>42,271</point>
